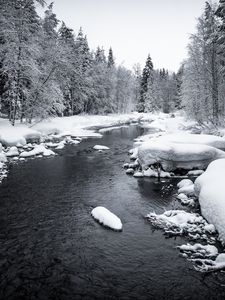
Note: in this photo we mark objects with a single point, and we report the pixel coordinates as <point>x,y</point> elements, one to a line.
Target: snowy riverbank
<point>174,146</point>
<point>42,139</point>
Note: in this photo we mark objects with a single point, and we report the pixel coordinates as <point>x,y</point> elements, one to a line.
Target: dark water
<point>51,248</point>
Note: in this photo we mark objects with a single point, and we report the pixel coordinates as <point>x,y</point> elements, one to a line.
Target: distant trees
<point>47,71</point>
<point>159,90</point>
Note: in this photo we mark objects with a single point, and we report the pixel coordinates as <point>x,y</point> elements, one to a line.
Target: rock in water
<point>106,218</point>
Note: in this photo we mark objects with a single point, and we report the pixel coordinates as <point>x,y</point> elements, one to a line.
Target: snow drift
<point>173,156</point>
<point>210,188</point>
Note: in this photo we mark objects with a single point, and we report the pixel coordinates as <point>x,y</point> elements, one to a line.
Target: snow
<point>106,218</point>
<point>130,171</point>
<point>16,136</point>
<point>173,156</point>
<point>60,145</point>
<point>184,182</point>
<point>187,190</point>
<point>153,173</point>
<point>210,189</point>
<point>199,250</point>
<point>185,200</point>
<point>13,151</point>
<point>38,149</point>
<point>195,172</point>
<point>180,222</point>
<point>209,265</point>
<point>199,139</point>
<point>100,147</point>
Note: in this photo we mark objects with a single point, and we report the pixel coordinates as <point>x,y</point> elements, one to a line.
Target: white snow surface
<point>13,151</point>
<point>75,126</point>
<point>184,182</point>
<point>107,218</point>
<point>199,250</point>
<point>210,189</point>
<point>38,149</point>
<point>172,156</point>
<point>100,147</point>
<point>187,138</point>
<point>178,222</point>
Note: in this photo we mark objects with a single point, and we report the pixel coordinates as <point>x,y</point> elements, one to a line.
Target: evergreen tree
<point>146,80</point>
<point>111,61</point>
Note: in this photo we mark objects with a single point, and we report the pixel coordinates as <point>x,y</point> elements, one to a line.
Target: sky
<point>135,28</point>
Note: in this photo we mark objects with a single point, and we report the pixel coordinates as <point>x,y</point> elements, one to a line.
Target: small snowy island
<point>107,218</point>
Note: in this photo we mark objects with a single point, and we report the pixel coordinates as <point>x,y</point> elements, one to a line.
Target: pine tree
<point>146,80</point>
<point>111,61</point>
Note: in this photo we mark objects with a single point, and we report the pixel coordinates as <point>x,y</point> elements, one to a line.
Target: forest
<point>46,69</point>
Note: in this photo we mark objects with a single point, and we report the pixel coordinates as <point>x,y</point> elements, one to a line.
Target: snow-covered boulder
<point>210,189</point>
<point>38,149</point>
<point>173,156</point>
<point>107,218</point>
<point>100,147</point>
<point>13,151</point>
<point>3,157</point>
<point>184,182</point>
<point>187,138</point>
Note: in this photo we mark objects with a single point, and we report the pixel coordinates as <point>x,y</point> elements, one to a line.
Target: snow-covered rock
<point>210,189</point>
<point>173,156</point>
<point>195,173</point>
<point>199,250</point>
<point>184,182</point>
<point>100,147</point>
<point>38,149</point>
<point>179,222</point>
<point>153,173</point>
<point>187,190</point>
<point>13,151</point>
<point>130,171</point>
<point>61,145</point>
<point>184,199</point>
<point>209,265</point>
<point>107,218</point>
<point>199,139</point>
<point>138,174</point>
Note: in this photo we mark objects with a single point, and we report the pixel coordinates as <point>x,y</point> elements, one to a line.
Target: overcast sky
<point>135,28</point>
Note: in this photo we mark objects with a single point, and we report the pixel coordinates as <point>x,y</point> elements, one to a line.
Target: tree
<point>111,61</point>
<point>146,80</point>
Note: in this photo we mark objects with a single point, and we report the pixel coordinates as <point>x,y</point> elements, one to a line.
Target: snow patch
<point>107,218</point>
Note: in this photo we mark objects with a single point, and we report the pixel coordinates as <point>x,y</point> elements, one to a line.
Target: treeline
<point>203,87</point>
<point>159,90</point>
<point>46,70</point>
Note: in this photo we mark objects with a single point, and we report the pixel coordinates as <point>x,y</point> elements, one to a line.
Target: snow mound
<point>184,182</point>
<point>180,222</point>
<point>195,173</point>
<point>199,250</point>
<point>106,218</point>
<point>199,139</point>
<point>100,147</point>
<point>210,189</point>
<point>153,173</point>
<point>13,151</point>
<point>18,135</point>
<point>38,149</point>
<point>187,190</point>
<point>185,200</point>
<point>209,265</point>
<point>173,156</point>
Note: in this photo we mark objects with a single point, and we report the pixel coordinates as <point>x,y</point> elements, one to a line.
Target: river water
<point>51,248</point>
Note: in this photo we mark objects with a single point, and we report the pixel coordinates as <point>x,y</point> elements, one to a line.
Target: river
<point>51,248</point>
